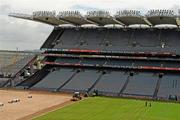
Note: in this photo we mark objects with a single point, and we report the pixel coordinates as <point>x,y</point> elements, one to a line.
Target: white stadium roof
<point>131,17</point>
<point>157,17</point>
<point>101,18</point>
<point>73,17</point>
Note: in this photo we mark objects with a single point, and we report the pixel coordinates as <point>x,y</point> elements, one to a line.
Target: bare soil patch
<point>27,108</point>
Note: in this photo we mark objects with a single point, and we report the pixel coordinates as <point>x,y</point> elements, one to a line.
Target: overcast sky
<point>28,35</point>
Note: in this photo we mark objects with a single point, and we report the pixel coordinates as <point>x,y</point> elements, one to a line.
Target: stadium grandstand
<point>124,55</point>
<point>15,64</point>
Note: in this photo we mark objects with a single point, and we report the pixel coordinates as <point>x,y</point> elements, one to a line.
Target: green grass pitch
<point>102,108</point>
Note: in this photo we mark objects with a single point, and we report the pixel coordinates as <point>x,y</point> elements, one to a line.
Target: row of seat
<point>13,68</point>
<point>134,63</point>
<point>117,39</point>
<point>142,83</point>
<point>8,59</point>
<point>114,82</point>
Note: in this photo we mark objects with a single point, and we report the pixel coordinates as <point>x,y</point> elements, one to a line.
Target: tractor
<point>76,96</point>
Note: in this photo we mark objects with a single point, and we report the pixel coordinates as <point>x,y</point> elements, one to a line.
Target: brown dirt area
<point>27,108</point>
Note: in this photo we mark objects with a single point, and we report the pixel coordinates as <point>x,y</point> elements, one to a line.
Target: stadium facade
<point>84,54</point>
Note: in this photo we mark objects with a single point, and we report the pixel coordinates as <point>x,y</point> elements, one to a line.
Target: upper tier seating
<point>124,40</point>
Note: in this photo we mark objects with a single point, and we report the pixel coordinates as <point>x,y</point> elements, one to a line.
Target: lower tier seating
<point>111,82</point>
<point>54,79</point>
<point>82,81</point>
<point>170,85</point>
<point>141,84</point>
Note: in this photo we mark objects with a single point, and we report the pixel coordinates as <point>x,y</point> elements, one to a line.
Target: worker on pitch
<point>146,104</point>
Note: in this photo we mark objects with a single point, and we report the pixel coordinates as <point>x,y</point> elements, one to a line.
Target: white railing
<point>169,13</point>
<point>44,14</point>
<point>69,14</point>
<point>98,14</point>
<point>127,13</point>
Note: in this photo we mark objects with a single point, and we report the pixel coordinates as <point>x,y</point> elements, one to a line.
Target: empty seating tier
<point>113,39</point>
<point>54,79</point>
<point>82,81</point>
<point>170,85</point>
<point>111,82</point>
<point>141,84</point>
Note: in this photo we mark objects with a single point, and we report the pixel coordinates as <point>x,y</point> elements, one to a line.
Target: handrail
<point>110,57</point>
<point>89,51</point>
<point>114,66</point>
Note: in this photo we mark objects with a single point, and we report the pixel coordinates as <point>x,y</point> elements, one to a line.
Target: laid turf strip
<point>101,108</point>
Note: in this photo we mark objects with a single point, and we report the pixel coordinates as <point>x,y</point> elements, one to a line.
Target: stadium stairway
<point>3,81</point>
<point>141,84</point>
<point>111,82</point>
<point>18,69</point>
<point>15,79</point>
<point>84,81</point>
<point>170,86</point>
<point>157,86</point>
<point>55,79</point>
<point>61,86</point>
<point>125,85</point>
<point>95,83</point>
<point>35,78</point>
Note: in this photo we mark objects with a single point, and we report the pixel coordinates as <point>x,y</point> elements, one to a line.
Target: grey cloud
<point>22,34</point>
